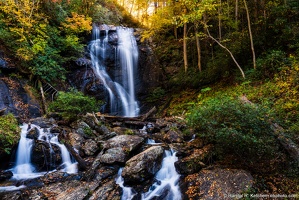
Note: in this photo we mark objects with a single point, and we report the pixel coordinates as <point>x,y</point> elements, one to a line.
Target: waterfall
<point>24,168</point>
<point>128,193</point>
<point>121,92</point>
<point>166,185</point>
<point>128,58</point>
<point>167,180</point>
<point>69,166</point>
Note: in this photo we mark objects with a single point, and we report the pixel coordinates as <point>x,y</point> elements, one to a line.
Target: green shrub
<point>9,133</point>
<point>242,130</point>
<point>156,95</point>
<point>72,104</point>
<point>271,63</point>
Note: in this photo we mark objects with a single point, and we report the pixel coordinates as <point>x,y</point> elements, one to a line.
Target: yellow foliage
<point>77,24</point>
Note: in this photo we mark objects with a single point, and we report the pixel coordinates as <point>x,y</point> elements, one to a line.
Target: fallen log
<point>81,162</point>
<point>287,143</point>
<point>149,113</point>
<point>116,118</point>
<point>124,118</point>
<point>136,123</point>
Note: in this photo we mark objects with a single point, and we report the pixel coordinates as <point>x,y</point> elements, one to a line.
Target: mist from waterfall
<point>122,91</point>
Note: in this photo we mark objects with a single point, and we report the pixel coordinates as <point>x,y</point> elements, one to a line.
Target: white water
<point>128,193</point>
<point>121,92</point>
<point>128,55</point>
<point>166,184</point>
<point>69,166</point>
<point>24,169</point>
<point>167,180</point>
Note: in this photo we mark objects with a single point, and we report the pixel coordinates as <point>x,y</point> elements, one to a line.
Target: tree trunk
<point>198,48</point>
<point>185,47</point>
<point>250,35</point>
<point>236,12</point>
<point>232,56</point>
<point>219,21</point>
<point>43,97</point>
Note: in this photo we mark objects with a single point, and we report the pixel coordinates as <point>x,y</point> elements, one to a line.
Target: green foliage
<point>234,127</point>
<point>106,16</point>
<point>88,131</point>
<point>44,36</point>
<point>271,63</point>
<point>129,132</point>
<point>9,133</point>
<point>156,95</point>
<point>72,104</point>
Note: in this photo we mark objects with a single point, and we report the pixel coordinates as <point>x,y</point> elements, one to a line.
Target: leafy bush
<point>234,127</point>
<point>72,104</point>
<point>9,133</point>
<point>271,63</point>
<point>156,95</point>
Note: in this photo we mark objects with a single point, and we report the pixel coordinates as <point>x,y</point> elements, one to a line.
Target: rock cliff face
<point>16,97</point>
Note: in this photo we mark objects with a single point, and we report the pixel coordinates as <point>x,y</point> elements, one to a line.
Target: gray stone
<point>143,165</point>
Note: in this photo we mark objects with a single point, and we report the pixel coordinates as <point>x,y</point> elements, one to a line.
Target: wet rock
<point>194,162</point>
<point>5,175</point>
<point>45,156</point>
<point>143,165</point>
<point>33,133</point>
<point>214,184</point>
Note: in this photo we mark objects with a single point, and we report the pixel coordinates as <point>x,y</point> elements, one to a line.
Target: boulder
<point>214,184</point>
<point>33,133</point>
<point>173,136</point>
<point>114,155</point>
<point>44,156</point>
<point>127,142</point>
<point>90,147</point>
<point>76,140</point>
<point>5,175</point>
<point>194,162</point>
<point>143,165</point>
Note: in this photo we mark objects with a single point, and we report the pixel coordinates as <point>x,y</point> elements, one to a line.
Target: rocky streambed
<point>119,159</point>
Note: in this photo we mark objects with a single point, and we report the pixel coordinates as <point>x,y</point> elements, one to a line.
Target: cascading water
<point>121,92</point>
<point>166,185</point>
<point>24,168</point>
<point>167,180</point>
<point>128,193</point>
